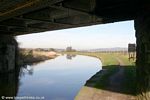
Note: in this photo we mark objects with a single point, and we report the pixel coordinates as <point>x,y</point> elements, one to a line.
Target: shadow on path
<point>114,82</point>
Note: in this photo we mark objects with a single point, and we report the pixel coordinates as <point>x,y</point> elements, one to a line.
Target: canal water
<point>57,79</point>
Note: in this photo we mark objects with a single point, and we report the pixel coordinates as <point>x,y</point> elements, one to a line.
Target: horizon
<point>111,35</point>
<point>80,49</point>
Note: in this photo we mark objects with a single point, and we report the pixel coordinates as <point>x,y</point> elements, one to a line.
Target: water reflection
<point>50,78</point>
<point>9,82</point>
<point>27,69</point>
<point>70,56</point>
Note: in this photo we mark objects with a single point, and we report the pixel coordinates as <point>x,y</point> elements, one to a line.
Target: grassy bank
<point>30,56</point>
<point>106,58</point>
<point>110,67</point>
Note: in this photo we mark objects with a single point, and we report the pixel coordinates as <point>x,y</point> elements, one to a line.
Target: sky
<point>111,35</point>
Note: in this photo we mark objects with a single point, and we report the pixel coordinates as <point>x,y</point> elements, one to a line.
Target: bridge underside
<point>19,17</point>
<point>30,16</point>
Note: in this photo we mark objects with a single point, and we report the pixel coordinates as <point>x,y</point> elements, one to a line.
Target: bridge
<point>19,17</point>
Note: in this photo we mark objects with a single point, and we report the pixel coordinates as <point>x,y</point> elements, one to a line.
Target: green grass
<point>106,58</point>
<point>124,58</point>
<point>110,63</point>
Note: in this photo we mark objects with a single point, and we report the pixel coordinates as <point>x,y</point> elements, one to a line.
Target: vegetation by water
<point>110,67</point>
<point>107,58</point>
<point>27,56</point>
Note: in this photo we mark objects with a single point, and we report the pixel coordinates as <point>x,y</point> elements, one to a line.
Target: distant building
<point>69,49</point>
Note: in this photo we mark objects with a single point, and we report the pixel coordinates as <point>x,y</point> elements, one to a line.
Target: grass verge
<point>110,67</point>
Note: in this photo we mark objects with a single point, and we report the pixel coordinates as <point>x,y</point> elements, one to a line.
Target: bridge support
<point>142,27</point>
<point>9,83</point>
<point>8,53</point>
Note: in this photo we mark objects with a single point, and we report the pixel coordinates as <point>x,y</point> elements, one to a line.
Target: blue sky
<point>117,34</point>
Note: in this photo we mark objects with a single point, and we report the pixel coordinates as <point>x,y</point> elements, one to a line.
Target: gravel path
<point>116,80</point>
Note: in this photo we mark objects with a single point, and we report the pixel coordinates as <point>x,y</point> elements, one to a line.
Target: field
<point>113,65</point>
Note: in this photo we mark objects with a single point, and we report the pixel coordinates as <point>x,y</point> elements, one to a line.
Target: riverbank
<point>116,80</point>
<point>27,57</point>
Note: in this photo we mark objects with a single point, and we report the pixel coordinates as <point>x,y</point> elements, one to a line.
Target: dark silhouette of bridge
<point>30,16</point>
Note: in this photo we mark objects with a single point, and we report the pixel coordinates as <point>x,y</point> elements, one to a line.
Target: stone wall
<point>142,27</point>
<point>8,53</point>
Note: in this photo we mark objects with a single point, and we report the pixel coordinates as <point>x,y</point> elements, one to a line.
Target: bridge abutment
<point>9,83</point>
<point>8,53</point>
<point>142,27</point>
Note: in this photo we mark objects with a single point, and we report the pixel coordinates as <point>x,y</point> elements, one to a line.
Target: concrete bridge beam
<point>142,27</point>
<point>8,53</point>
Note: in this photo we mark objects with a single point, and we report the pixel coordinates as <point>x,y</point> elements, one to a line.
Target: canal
<point>57,79</point>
